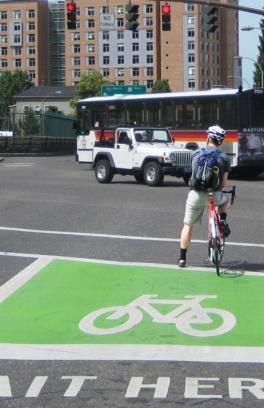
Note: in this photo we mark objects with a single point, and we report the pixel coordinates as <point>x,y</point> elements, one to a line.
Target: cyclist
<point>198,200</point>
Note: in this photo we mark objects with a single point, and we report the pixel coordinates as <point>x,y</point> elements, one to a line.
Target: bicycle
<point>216,240</point>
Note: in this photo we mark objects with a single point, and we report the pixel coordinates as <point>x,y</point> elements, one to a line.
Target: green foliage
<point>88,86</point>
<point>12,83</point>
<point>161,85</point>
<point>257,73</point>
<point>30,124</point>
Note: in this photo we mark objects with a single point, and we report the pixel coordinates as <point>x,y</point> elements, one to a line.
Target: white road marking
<point>127,237</point>
<point>18,164</point>
<point>115,352</point>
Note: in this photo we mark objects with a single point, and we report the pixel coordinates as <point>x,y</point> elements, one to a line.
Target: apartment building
<point>24,38</point>
<point>186,55</point>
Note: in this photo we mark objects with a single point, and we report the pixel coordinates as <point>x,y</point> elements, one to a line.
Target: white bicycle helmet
<point>216,134</point>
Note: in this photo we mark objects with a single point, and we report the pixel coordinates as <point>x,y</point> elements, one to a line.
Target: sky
<point>249,40</point>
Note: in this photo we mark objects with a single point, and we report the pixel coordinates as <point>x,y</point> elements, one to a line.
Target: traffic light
<point>166,17</point>
<point>71,16</point>
<point>132,17</point>
<point>211,19</point>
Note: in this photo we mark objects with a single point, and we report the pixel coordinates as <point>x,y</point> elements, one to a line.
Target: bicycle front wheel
<point>217,254</point>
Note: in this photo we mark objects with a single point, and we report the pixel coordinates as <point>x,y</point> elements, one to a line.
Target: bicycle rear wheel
<point>216,255</point>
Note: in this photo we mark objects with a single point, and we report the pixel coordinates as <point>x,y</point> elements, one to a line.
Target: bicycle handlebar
<point>231,191</point>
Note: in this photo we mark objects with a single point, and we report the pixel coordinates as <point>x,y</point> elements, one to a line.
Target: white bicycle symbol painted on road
<point>186,316</point>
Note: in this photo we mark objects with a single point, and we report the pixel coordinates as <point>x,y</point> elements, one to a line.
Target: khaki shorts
<point>196,203</point>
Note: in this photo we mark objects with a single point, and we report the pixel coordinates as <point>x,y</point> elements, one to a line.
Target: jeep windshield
<point>152,135</point>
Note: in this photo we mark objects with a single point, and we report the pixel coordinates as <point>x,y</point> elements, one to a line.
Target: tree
<point>12,83</point>
<point>257,73</point>
<point>161,85</point>
<point>30,124</point>
<point>89,85</point>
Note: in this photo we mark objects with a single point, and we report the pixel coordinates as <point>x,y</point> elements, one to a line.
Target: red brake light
<point>165,9</point>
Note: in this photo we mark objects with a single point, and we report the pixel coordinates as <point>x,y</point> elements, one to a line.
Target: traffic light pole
<point>219,4</point>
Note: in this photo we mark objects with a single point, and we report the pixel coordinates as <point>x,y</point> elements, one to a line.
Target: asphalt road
<point>54,206</point>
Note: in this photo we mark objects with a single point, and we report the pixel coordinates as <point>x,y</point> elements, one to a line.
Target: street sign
<point>109,90</point>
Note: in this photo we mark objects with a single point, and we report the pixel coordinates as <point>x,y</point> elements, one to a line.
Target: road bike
<point>189,316</point>
<point>216,240</point>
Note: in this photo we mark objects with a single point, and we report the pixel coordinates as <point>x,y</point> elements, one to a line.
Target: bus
<point>187,115</point>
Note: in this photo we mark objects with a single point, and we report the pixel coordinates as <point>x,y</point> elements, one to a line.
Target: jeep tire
<point>103,171</point>
<point>153,175</point>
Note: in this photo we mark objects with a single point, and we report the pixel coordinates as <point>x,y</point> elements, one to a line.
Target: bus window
<point>152,113</point>
<point>168,117</point>
<point>228,116</point>
<point>98,113</point>
<point>185,114</point>
<point>135,113</point>
<point>207,113</point>
<point>85,122</point>
<point>116,114</point>
<point>257,110</point>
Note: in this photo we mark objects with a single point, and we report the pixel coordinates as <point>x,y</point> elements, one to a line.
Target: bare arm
<point>225,178</point>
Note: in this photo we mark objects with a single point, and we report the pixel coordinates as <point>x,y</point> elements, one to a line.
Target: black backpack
<point>207,173</point>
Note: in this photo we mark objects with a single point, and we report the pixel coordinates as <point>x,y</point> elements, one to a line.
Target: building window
<point>149,21</point>
<point>191,45</point>
<point>149,71</point>
<point>120,22</point>
<point>120,72</point>
<point>31,62</point>
<point>149,34</point>
<point>31,26</point>
<point>135,46</point>
<point>149,59</point>
<point>76,61</point>
<point>31,74</point>
<point>149,83</point>
<point>135,59</point>
<point>106,72</point>
<point>135,35</point>
<point>105,10</point>
<point>76,73</point>
<point>90,36</point>
<point>89,11</point>
<point>17,38</point>
<point>17,63</point>
<point>90,23</point>
<point>149,46</point>
<point>190,7</point>
<point>3,51</point>
<point>135,71</point>
<point>3,39</point>
<point>91,48</point>
<point>120,35</point>
<point>119,9</point>
<point>148,8</point>
<point>75,36</point>
<point>191,57</point>
<point>106,35</point>
<point>17,51</point>
<point>3,15</point>
<point>16,14</point>
<point>106,60</point>
<point>76,48</point>
<point>91,60</point>
<point>30,50</point>
<point>3,63</point>
<point>120,47</point>
<point>106,47</point>
<point>191,84</point>
<point>31,38</point>
<point>190,20</point>
<point>120,59</point>
<point>191,71</point>
<point>17,27</point>
<point>190,32</point>
<point>3,27</point>
<point>31,14</point>
<point>120,83</point>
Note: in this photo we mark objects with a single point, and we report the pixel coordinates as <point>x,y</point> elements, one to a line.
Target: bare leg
<point>186,236</point>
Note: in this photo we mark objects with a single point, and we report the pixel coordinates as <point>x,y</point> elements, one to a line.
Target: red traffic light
<point>71,7</point>
<point>166,9</point>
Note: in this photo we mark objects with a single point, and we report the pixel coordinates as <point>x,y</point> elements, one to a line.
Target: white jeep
<point>146,153</point>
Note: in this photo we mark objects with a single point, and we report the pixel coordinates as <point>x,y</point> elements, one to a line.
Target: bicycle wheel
<point>216,254</point>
